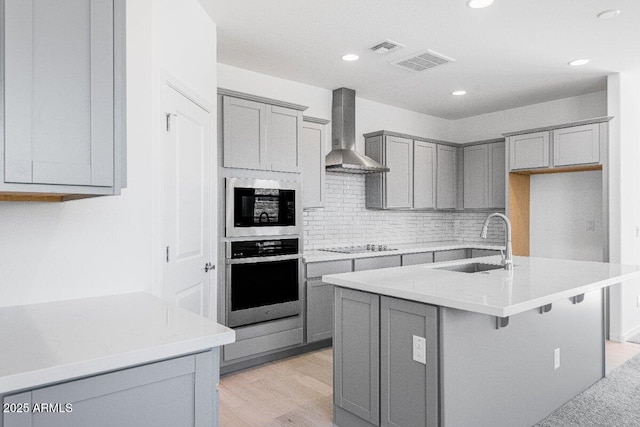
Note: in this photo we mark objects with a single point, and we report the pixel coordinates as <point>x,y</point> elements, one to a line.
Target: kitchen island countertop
<point>534,282</point>
<point>57,341</point>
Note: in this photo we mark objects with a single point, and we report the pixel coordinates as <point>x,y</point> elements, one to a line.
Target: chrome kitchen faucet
<point>507,259</point>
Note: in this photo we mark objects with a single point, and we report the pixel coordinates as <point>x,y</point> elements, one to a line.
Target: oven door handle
<point>261,259</point>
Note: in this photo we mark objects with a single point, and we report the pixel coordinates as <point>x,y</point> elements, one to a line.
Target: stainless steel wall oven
<point>262,207</point>
<point>262,280</point>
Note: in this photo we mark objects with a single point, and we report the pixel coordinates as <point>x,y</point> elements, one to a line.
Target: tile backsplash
<point>345,221</point>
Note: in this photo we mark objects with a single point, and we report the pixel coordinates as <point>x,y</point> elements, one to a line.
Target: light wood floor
<point>298,391</point>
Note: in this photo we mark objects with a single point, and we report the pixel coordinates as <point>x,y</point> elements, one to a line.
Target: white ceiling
<point>510,54</point>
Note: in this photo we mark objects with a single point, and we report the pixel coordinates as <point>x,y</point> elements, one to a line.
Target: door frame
<point>169,81</point>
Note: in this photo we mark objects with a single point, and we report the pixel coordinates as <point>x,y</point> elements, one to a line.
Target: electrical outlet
<point>591,225</point>
<point>420,350</point>
<point>556,358</point>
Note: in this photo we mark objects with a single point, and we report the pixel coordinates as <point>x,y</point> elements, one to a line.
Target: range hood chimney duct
<point>343,156</point>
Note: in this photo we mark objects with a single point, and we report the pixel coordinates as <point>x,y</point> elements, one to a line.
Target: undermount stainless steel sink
<point>474,267</point>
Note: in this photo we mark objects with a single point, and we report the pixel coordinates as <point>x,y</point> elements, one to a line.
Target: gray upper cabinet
<point>245,133</point>
<point>283,129</point>
<point>498,189</point>
<point>476,177</point>
<point>312,163</point>
<point>577,145</point>
<point>529,151</point>
<point>64,97</point>
<point>393,189</point>
<point>484,176</point>
<point>446,178</point>
<point>399,160</point>
<point>424,175</point>
<point>260,136</point>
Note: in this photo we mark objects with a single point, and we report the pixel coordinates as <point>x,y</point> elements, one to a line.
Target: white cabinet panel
<point>529,151</point>
<point>576,145</point>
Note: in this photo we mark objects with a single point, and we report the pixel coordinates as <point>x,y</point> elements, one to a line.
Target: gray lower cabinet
<point>408,388</point>
<point>357,358</point>
<point>420,258</point>
<point>319,310</point>
<point>63,105</point>
<point>475,253</point>
<point>178,392</point>
<point>450,255</point>
<point>377,382</point>
<point>361,264</point>
<point>320,298</point>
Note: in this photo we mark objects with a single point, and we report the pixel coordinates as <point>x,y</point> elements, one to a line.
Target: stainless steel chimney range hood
<point>343,156</point>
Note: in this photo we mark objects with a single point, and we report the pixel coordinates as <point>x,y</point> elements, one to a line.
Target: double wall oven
<point>263,251</point>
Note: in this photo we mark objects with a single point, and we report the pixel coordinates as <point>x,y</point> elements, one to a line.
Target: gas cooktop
<point>359,249</point>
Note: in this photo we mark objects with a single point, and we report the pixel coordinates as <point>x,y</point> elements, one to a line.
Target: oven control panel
<point>260,248</point>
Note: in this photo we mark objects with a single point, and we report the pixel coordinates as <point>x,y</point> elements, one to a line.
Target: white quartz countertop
<point>401,249</point>
<point>53,342</point>
<point>533,283</point>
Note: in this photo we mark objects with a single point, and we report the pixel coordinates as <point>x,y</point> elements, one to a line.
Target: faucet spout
<point>507,256</point>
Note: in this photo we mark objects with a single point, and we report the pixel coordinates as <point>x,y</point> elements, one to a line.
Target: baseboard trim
<point>234,367</point>
<point>624,337</point>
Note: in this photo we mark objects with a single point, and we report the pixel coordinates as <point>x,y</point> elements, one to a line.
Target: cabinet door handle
<point>208,266</point>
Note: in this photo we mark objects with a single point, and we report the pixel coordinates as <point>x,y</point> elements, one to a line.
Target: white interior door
<point>187,207</point>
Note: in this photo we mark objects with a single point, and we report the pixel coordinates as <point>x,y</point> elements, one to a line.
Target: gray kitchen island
<point>466,342</point>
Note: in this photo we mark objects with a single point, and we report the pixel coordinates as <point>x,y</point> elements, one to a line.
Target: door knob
<point>208,266</point>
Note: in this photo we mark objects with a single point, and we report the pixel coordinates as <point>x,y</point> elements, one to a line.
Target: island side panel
<point>356,355</point>
<point>506,377</point>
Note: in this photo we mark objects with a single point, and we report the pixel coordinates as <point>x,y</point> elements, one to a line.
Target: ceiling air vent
<point>422,61</point>
<point>386,46</point>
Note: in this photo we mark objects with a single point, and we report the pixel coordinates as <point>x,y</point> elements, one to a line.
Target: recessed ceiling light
<point>350,57</point>
<point>459,92</point>
<point>478,4</point>
<point>609,14</point>
<point>578,62</point>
